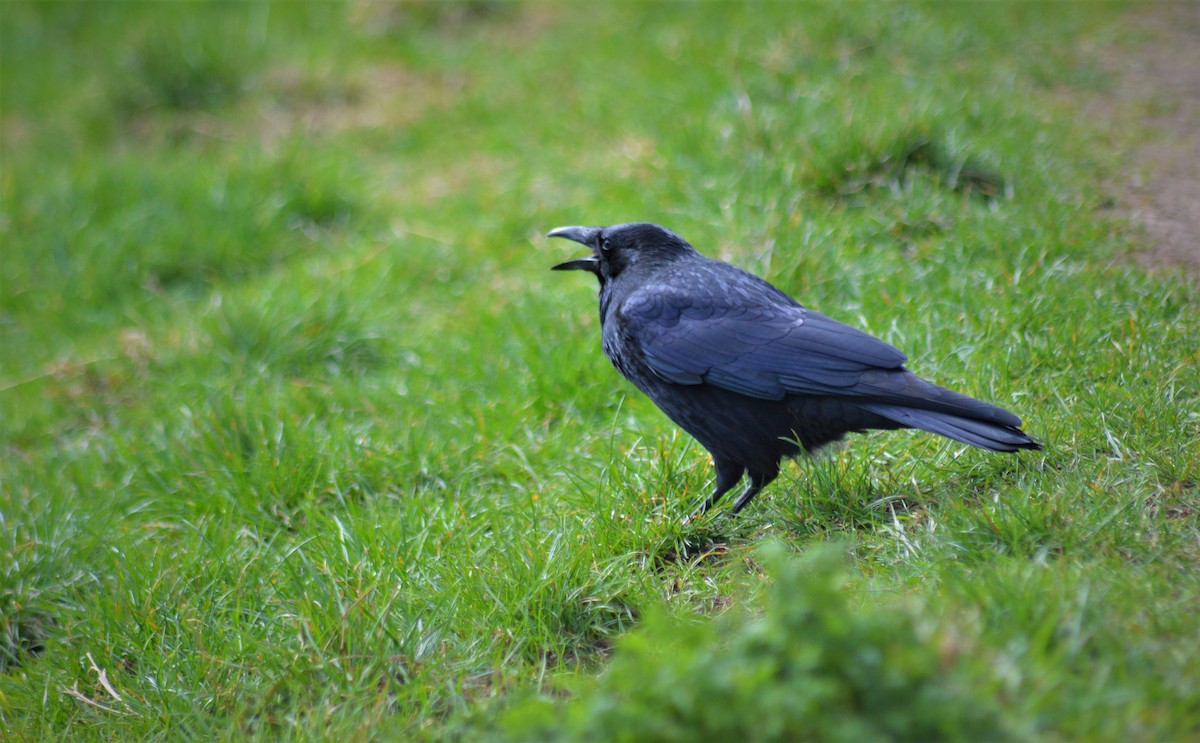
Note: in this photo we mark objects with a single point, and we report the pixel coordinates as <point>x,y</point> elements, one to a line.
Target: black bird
<point>748,371</point>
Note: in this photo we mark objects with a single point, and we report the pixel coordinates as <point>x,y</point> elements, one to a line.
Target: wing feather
<point>766,350</point>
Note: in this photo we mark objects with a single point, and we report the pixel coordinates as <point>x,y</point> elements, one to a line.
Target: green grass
<point>301,438</point>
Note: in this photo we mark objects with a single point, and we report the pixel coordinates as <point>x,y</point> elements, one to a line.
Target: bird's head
<point>622,247</point>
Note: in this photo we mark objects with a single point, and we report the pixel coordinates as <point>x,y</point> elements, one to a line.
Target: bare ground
<point>1157,88</point>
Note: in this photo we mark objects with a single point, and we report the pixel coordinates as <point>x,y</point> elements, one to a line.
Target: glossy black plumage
<point>750,373</point>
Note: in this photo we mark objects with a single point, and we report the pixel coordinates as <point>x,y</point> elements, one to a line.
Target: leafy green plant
<point>808,665</point>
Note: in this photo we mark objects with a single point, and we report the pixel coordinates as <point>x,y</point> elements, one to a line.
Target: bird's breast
<point>624,354</point>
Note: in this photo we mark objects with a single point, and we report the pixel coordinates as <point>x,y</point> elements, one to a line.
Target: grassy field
<point>301,439</point>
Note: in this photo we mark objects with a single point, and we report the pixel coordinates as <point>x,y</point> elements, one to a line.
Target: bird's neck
<point>613,291</point>
<point>606,299</point>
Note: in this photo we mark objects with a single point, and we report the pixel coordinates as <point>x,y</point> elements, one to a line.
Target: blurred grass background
<point>301,439</point>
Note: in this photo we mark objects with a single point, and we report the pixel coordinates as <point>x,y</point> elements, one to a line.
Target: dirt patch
<point>1158,83</point>
<point>372,98</point>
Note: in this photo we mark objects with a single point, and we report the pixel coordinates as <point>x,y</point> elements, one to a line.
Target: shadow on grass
<point>859,167</point>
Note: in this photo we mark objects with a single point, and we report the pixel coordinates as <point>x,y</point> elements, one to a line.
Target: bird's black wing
<point>763,349</point>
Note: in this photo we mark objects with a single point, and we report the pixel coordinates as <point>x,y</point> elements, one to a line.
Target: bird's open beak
<point>586,263</point>
<point>585,236</point>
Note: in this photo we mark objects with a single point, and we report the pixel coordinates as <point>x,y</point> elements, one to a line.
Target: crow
<point>749,372</point>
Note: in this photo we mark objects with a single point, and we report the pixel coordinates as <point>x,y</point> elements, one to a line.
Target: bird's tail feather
<point>983,434</point>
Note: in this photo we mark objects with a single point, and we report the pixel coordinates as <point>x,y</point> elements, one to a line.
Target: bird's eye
<point>605,245</point>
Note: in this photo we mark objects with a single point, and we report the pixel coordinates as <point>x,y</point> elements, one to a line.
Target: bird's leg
<point>758,481</point>
<point>728,475</point>
<point>747,494</point>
